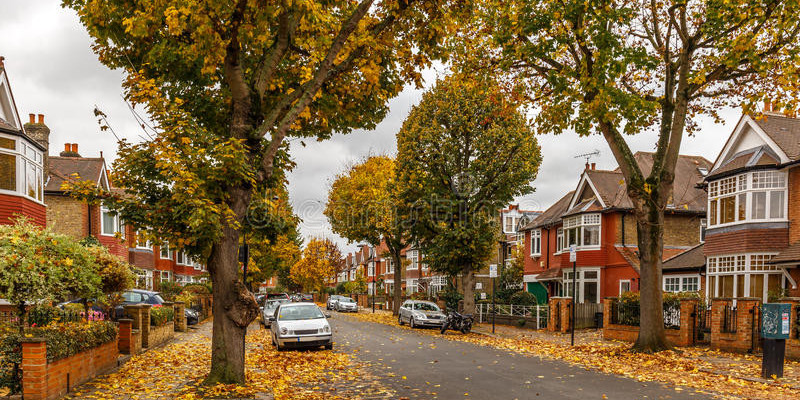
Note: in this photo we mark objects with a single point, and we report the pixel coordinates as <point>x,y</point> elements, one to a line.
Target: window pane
<point>691,284</point>
<point>39,184</point>
<point>774,282</point>
<point>727,209</point>
<point>591,235</point>
<point>756,285</point>
<point>30,179</point>
<point>108,222</point>
<point>712,208</point>
<point>590,292</point>
<point>590,275</point>
<point>739,285</point>
<point>8,172</point>
<point>759,207</point>
<point>726,286</point>
<point>741,214</point>
<point>776,204</point>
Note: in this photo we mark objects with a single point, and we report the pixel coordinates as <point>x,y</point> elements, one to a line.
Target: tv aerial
<point>587,156</point>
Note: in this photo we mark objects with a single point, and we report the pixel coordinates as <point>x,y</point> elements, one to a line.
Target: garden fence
<point>538,312</point>
<point>628,314</point>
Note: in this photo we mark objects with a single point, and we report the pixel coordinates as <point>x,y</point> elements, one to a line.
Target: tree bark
<point>650,228</point>
<point>398,279</point>
<point>468,283</point>
<point>234,307</point>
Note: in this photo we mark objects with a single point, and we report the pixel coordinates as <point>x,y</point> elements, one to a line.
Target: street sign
<point>572,255</point>
<point>492,270</point>
<point>483,295</point>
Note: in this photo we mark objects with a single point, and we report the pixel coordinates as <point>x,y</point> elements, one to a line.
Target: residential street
<point>422,366</point>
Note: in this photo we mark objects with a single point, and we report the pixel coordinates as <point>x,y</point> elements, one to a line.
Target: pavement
<point>420,366</point>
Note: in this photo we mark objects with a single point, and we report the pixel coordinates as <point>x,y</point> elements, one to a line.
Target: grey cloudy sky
<point>53,71</point>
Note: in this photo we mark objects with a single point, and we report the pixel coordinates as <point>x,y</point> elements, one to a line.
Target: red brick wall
<point>10,206</point>
<point>743,241</point>
<point>794,205</point>
<point>43,381</point>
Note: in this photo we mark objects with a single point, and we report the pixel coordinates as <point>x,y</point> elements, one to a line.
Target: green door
<point>538,290</point>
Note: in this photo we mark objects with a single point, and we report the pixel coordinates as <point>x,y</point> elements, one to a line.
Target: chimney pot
<point>767,105</point>
<point>41,118</point>
<point>1,61</point>
<point>593,165</point>
<point>74,147</point>
<point>32,118</point>
<point>66,147</point>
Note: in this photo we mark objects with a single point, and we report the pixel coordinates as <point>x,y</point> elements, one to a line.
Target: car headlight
<point>284,331</point>
<point>325,329</point>
<point>419,315</point>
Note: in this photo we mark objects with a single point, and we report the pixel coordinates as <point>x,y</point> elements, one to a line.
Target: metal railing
<point>628,314</point>
<point>539,313</point>
<point>728,319</point>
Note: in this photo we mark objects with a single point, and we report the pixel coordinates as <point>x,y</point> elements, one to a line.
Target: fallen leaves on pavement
<point>689,367</point>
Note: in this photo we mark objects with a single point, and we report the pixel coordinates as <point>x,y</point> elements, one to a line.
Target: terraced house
<point>597,219</point>
<point>752,244</point>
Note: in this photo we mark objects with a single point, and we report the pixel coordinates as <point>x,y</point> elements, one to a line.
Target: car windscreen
<point>347,300</point>
<point>132,297</point>
<point>299,313</point>
<point>425,307</point>
<point>155,299</point>
<point>277,296</point>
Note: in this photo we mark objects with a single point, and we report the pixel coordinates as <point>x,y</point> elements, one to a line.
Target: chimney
<point>70,150</point>
<point>74,147</point>
<point>67,147</point>
<point>767,106</point>
<point>1,61</point>
<point>40,133</point>
<point>593,165</point>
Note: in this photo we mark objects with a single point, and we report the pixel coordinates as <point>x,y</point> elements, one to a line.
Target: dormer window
<point>20,168</point>
<point>582,231</point>
<point>756,196</point>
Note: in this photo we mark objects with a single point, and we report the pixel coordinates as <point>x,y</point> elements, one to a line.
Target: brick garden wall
<point>44,381</point>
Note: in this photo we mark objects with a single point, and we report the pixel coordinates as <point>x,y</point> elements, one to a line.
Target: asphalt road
<point>421,366</point>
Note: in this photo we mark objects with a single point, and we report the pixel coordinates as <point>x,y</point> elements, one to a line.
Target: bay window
<point>581,231</point>
<point>21,168</point>
<point>536,242</point>
<point>750,196</point>
<point>743,275</point>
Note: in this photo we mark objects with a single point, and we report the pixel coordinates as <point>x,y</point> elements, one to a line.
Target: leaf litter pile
<point>176,371</point>
<point>723,374</point>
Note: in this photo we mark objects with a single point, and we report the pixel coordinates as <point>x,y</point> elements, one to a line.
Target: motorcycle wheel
<point>444,328</point>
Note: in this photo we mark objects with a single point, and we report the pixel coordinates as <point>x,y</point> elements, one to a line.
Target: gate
<point>702,324</point>
<point>585,315</point>
<point>755,330</point>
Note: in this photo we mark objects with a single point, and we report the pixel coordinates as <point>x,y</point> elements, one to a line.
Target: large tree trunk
<point>398,279</point>
<point>468,283</point>
<point>234,307</point>
<point>650,228</point>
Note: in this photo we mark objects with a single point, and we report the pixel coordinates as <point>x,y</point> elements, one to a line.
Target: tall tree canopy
<point>624,67</point>
<point>463,153</point>
<point>363,205</point>
<point>322,261</point>
<point>225,82</point>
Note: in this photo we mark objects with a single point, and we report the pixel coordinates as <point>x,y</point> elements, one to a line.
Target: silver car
<point>298,325</point>
<point>331,304</point>
<point>419,313</point>
<point>268,311</point>
<point>346,304</point>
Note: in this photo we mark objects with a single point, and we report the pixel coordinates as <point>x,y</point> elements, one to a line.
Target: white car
<point>331,304</point>
<point>298,325</point>
<point>346,304</point>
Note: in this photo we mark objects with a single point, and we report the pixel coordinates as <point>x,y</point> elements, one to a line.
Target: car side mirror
<point>271,318</point>
<point>327,315</point>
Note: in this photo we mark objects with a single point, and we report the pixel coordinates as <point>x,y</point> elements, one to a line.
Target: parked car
<point>298,325</point>
<point>307,298</point>
<point>419,313</point>
<point>192,316</point>
<point>331,304</point>
<point>295,297</point>
<point>139,296</point>
<point>268,311</point>
<point>346,304</point>
<point>276,296</point>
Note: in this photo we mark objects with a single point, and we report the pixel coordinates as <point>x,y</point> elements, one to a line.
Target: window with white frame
<point>411,285</point>
<point>536,242</point>
<point>509,224</point>
<point>624,286</point>
<point>21,168</point>
<point>165,253</point>
<point>744,275</point>
<point>747,197</point>
<point>582,231</point>
<point>144,279</point>
<point>181,258</point>
<point>587,282</point>
<point>389,266</point>
<point>110,224</point>
<point>681,283</point>
<point>142,242</point>
<point>559,239</point>
<point>703,226</point>
<point>413,258</point>
<point>166,276</point>
<point>371,269</point>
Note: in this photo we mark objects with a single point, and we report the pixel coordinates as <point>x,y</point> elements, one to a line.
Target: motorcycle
<point>457,322</point>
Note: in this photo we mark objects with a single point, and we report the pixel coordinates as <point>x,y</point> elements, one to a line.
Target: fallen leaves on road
<point>689,367</point>
<point>177,370</point>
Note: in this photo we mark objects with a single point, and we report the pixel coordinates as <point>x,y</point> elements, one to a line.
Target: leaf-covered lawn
<point>176,370</point>
<point>694,368</point>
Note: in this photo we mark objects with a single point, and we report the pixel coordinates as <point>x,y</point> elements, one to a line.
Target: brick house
<point>752,244</point>
<point>597,218</point>
<point>23,153</point>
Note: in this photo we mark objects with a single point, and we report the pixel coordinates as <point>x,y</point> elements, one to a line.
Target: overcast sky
<point>53,71</point>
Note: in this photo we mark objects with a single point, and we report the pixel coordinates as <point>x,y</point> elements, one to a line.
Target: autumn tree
<point>463,153</point>
<point>224,83</point>
<point>363,206</point>
<point>321,261</point>
<point>625,67</point>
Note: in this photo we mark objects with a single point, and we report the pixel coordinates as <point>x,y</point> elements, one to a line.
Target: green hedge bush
<point>160,316</point>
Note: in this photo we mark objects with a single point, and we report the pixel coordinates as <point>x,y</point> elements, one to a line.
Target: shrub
<point>160,316</point>
<point>523,298</point>
<point>170,290</point>
<point>43,315</point>
<point>451,297</point>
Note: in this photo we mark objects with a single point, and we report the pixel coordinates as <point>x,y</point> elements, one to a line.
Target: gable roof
<point>551,215</point>
<point>9,115</point>
<point>611,189</point>
<point>784,131</point>
<point>61,169</point>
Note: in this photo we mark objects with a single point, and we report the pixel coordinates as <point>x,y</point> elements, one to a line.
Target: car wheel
<point>329,346</point>
<point>412,323</point>
<point>400,319</point>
